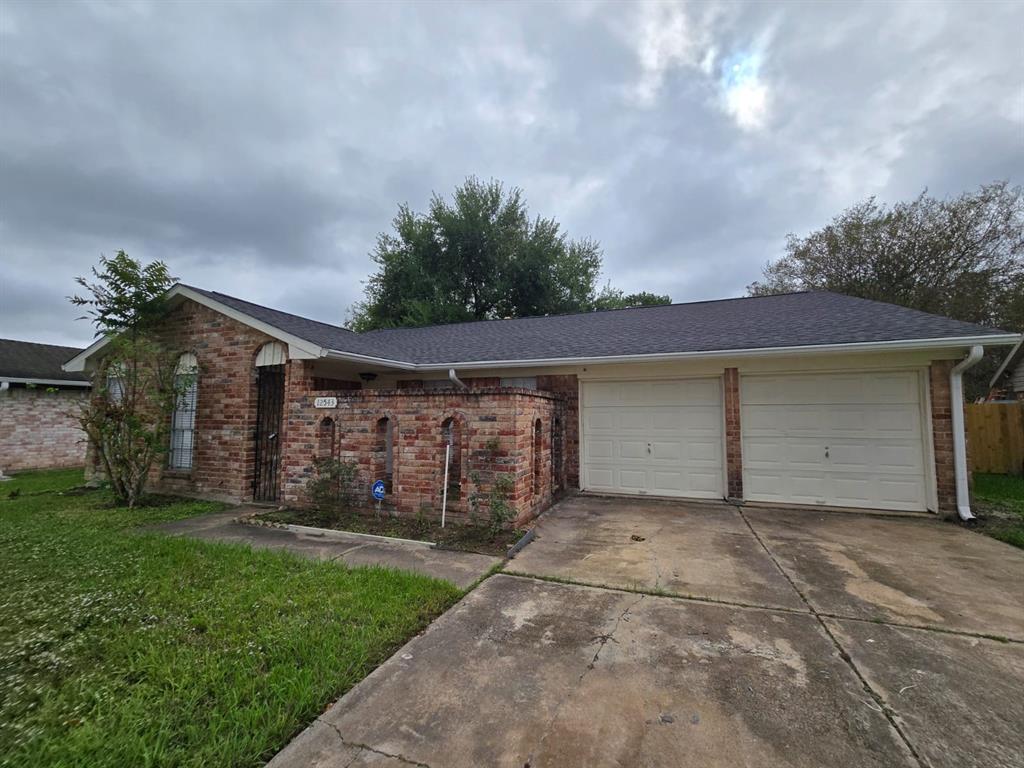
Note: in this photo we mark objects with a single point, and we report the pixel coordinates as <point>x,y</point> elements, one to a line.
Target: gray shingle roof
<point>29,360</point>
<point>786,320</point>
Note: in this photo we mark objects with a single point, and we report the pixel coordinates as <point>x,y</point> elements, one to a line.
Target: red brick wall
<point>733,437</point>
<point>942,434</point>
<point>38,429</point>
<point>496,436</point>
<point>568,388</point>
<point>224,451</point>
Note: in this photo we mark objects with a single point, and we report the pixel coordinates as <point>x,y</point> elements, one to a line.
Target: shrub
<point>332,489</point>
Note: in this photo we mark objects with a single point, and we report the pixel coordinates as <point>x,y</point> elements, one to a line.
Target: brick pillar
<point>942,434</point>
<point>298,431</point>
<point>733,442</point>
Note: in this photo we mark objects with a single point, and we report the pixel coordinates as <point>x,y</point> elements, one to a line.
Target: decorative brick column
<point>733,441</point>
<point>942,434</point>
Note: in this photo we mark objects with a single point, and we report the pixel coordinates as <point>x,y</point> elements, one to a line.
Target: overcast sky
<point>258,148</point>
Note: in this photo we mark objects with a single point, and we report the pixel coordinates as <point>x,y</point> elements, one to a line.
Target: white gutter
<point>454,379</point>
<point>956,398</point>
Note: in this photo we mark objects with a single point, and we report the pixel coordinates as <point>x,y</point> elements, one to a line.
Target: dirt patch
<point>1000,520</point>
<point>463,538</point>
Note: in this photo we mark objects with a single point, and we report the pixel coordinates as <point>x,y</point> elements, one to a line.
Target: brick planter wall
<point>38,429</point>
<point>496,426</point>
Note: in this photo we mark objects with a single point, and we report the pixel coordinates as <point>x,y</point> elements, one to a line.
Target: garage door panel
<point>762,453</point>
<point>631,449</point>
<point>657,437</point>
<point>632,479</point>
<point>857,439</point>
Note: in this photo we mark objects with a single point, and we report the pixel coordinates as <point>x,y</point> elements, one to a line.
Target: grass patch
<point>465,538</point>
<point>999,504</point>
<point>126,648</point>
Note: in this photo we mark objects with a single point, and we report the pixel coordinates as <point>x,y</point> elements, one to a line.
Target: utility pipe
<point>956,398</point>
<point>456,380</point>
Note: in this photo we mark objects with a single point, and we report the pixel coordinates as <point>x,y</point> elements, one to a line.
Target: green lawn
<point>1000,500</point>
<point>119,648</point>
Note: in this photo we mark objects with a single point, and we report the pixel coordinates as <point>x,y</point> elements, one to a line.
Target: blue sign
<point>378,490</point>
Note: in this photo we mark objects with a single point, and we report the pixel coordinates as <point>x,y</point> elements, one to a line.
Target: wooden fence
<point>995,434</point>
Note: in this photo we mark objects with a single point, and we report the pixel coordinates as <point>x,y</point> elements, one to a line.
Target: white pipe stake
<point>444,496</point>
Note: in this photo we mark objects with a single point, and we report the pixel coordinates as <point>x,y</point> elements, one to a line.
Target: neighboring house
<point>805,398</point>
<point>1008,383</point>
<point>38,400</point>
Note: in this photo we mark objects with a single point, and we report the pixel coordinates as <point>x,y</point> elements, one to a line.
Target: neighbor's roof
<point>27,361</point>
<point>790,320</point>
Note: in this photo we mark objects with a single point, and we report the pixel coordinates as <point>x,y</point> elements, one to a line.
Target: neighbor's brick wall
<point>496,436</point>
<point>38,429</point>
<point>942,434</point>
<point>733,436</point>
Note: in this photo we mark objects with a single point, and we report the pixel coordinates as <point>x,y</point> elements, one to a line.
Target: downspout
<point>956,397</point>
<point>456,380</point>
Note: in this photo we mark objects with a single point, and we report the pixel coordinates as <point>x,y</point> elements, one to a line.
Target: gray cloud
<point>259,148</point>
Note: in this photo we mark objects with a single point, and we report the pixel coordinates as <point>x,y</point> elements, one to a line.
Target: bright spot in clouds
<point>744,93</point>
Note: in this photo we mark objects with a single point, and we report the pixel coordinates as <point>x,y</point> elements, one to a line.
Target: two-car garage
<point>853,439</point>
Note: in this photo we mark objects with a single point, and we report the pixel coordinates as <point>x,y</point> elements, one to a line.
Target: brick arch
<point>325,438</point>
<point>384,456</point>
<point>457,466</point>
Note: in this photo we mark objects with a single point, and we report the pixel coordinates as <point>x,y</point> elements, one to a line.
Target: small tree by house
<point>128,418</point>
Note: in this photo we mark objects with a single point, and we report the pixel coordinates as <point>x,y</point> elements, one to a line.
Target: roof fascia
<point>298,348</point>
<point>810,349</point>
<point>47,382</point>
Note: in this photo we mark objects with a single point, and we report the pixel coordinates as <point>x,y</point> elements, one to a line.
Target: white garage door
<point>660,438</point>
<point>850,440</point>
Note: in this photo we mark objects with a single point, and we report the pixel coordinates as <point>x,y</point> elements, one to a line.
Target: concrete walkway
<point>776,638</point>
<point>460,568</point>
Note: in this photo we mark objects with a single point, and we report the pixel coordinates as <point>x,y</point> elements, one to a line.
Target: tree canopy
<point>481,256</point>
<point>961,257</point>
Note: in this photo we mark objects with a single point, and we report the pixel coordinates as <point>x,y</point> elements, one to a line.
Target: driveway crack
<point>876,698</point>
<point>368,748</point>
<point>603,640</point>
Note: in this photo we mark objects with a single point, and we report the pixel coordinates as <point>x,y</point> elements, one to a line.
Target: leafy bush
<point>333,488</point>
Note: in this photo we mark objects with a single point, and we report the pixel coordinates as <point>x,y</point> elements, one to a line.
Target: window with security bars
<point>183,422</point>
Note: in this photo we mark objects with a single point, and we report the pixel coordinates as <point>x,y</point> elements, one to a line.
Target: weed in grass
<point>122,647</point>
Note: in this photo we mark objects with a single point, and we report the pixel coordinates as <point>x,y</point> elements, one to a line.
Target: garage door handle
<point>826,451</point>
<point>648,447</point>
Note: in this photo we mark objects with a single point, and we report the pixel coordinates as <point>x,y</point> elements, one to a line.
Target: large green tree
<point>480,256</point>
<point>961,257</point>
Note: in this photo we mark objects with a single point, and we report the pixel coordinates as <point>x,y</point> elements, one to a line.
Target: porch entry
<point>269,409</point>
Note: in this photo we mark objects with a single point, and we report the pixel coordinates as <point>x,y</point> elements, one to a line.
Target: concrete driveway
<point>755,638</point>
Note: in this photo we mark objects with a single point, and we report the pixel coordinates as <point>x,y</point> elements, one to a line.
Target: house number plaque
<point>325,402</point>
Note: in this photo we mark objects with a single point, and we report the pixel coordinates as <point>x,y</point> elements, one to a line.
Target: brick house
<point>38,400</point>
<point>806,398</point>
